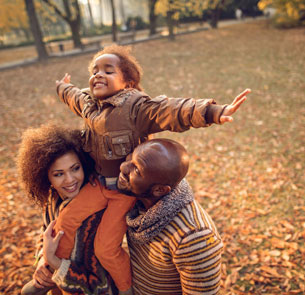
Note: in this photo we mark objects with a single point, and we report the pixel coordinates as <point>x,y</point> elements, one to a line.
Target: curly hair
<point>130,67</point>
<point>39,148</point>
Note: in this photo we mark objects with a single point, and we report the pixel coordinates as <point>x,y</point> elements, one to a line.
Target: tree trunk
<point>215,14</point>
<point>73,19</point>
<point>75,30</point>
<point>101,12</point>
<point>114,25</point>
<point>91,15</point>
<point>152,18</point>
<point>35,28</point>
<point>170,25</point>
<point>122,10</point>
<point>214,18</point>
<point>75,23</point>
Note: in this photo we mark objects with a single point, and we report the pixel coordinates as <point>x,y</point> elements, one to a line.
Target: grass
<point>249,175</point>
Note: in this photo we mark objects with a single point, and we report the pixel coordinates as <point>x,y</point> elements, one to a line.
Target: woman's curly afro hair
<point>39,148</point>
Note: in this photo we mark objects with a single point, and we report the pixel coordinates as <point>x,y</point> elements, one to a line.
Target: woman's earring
<point>52,189</point>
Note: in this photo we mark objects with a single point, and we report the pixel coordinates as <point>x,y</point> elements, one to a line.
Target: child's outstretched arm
<point>76,99</point>
<point>180,114</point>
<point>65,79</point>
<point>233,107</point>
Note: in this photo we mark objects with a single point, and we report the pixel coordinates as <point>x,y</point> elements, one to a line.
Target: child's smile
<point>107,78</point>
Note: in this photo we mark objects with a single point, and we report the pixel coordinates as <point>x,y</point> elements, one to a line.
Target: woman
<point>53,168</point>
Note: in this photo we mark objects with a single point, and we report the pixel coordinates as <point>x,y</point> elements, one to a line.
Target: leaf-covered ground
<point>249,175</point>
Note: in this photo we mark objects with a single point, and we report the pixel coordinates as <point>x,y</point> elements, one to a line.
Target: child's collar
<point>119,98</point>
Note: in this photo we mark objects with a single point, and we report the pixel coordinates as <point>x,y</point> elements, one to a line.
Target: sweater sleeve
<point>174,114</point>
<point>198,261</point>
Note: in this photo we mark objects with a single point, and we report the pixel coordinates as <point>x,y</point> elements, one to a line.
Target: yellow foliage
<point>181,6</point>
<point>263,4</point>
<point>12,15</point>
<point>288,12</point>
<point>163,6</point>
<point>291,11</point>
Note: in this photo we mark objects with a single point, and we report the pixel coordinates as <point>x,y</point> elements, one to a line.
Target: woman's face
<point>66,175</point>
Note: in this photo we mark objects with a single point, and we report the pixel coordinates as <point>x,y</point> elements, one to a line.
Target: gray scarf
<point>143,227</point>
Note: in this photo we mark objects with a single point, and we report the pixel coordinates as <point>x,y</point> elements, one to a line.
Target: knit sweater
<point>179,256</point>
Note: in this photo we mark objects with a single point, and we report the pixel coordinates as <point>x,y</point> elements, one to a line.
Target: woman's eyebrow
<point>57,170</point>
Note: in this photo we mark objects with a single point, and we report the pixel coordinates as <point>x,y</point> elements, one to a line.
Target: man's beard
<point>143,195</point>
<point>126,192</point>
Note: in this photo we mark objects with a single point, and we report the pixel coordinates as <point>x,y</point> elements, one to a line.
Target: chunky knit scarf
<point>142,227</point>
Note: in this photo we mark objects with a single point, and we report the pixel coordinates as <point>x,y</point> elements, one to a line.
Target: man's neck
<point>149,202</point>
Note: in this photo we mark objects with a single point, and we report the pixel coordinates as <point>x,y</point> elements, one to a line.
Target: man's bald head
<point>166,159</point>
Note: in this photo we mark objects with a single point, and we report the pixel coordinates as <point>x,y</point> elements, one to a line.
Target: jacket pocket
<point>118,144</point>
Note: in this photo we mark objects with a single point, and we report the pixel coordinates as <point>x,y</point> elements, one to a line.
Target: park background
<point>249,174</point>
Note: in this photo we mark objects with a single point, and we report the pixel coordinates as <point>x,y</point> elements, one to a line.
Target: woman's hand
<point>50,245</point>
<point>42,276</point>
<point>233,107</point>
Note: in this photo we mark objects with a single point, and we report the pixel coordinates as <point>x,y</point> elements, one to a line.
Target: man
<point>174,245</point>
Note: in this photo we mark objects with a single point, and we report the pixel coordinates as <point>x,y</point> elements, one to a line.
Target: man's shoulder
<point>192,227</point>
<point>193,218</point>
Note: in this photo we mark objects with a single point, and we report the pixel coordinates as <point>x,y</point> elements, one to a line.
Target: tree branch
<point>56,9</point>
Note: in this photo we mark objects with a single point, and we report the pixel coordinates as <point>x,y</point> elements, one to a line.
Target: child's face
<point>107,78</point>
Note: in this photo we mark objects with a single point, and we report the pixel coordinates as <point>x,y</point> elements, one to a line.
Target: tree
<point>114,25</point>
<point>152,17</point>
<point>90,14</point>
<point>214,8</point>
<point>289,13</point>
<point>13,17</point>
<point>72,16</point>
<point>101,11</point>
<point>34,24</point>
<point>170,9</point>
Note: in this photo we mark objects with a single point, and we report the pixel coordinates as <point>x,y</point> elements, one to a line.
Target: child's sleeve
<point>175,114</point>
<point>89,200</point>
<point>75,98</point>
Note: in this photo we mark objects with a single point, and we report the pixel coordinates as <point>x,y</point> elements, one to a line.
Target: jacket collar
<point>118,99</point>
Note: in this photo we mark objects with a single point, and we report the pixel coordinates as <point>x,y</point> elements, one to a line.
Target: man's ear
<point>129,84</point>
<point>160,190</point>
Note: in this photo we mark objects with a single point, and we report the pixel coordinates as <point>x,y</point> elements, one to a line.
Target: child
<point>118,117</point>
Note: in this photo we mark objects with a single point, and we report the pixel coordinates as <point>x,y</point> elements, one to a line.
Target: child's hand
<point>65,79</point>
<point>233,107</point>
